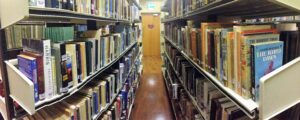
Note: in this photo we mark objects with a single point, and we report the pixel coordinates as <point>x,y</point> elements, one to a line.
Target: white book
<point>47,69</point>
<point>122,73</point>
<point>54,80</point>
<point>40,3</point>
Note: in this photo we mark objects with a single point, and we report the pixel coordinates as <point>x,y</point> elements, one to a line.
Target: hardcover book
<point>28,66</point>
<point>42,47</point>
<point>266,57</point>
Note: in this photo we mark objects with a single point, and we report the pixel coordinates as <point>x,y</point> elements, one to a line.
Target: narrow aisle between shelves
<point>152,99</point>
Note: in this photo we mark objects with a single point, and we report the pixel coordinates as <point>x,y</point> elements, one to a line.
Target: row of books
<point>181,103</point>
<point>120,110</point>
<point>179,8</point>
<point>55,67</point>
<point>238,56</point>
<point>110,89</point>
<point>274,19</point>
<point>118,9</point>
<point>214,105</point>
<point>15,33</point>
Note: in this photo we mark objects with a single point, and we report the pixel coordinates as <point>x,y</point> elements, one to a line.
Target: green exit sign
<point>151,5</point>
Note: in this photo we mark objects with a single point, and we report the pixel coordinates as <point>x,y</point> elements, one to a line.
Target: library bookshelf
<point>14,12</point>
<point>280,86</point>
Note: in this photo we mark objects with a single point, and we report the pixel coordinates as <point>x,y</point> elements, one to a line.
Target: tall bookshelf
<point>278,87</point>
<point>15,12</point>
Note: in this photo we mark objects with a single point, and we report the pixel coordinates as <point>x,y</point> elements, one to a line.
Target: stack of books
<point>237,55</point>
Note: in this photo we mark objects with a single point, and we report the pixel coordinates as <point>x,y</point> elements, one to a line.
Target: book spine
<point>47,69</point>
<point>54,81</point>
<point>96,54</point>
<point>252,72</point>
<point>40,3</point>
<point>34,79</point>
<point>40,79</point>
<point>99,54</point>
<point>29,69</point>
<point>79,65</point>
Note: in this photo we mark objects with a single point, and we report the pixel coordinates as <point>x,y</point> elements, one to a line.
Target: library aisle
<point>152,100</point>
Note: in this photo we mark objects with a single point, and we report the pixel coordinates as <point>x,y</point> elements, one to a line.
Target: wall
<point>144,4</point>
<point>158,4</point>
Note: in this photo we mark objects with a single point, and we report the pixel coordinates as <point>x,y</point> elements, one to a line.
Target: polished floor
<point>151,102</point>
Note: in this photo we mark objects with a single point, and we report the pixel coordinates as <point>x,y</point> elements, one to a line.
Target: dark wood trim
<point>3,57</point>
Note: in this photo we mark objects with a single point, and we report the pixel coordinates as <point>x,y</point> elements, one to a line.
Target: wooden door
<point>151,34</point>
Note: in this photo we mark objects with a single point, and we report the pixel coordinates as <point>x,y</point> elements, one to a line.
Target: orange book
<point>205,27</point>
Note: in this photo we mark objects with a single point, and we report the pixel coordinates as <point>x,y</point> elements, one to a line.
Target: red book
<point>40,72</point>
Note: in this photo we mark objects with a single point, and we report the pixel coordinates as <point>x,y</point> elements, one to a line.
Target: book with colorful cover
<point>266,57</point>
<point>40,72</point>
<point>246,60</point>
<point>28,66</point>
<point>42,47</point>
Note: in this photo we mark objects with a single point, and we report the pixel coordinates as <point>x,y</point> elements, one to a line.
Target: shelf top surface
<point>68,14</point>
<point>242,9</point>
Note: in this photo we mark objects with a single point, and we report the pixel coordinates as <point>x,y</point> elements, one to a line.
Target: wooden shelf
<point>244,9</point>
<point>32,108</point>
<point>247,105</point>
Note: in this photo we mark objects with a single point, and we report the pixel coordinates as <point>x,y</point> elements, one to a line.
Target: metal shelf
<point>170,99</point>
<point>247,105</point>
<point>35,12</point>
<point>113,100</point>
<point>58,98</point>
<point>245,9</point>
<point>192,98</point>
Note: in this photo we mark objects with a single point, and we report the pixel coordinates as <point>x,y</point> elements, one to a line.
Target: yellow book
<point>237,52</point>
<point>103,94</point>
<point>71,50</point>
<point>83,59</point>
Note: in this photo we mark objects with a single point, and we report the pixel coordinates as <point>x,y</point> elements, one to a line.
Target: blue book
<point>96,104</point>
<point>266,57</point>
<point>28,66</point>
<point>124,94</point>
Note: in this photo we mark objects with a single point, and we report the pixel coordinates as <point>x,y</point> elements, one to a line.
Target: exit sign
<point>151,5</point>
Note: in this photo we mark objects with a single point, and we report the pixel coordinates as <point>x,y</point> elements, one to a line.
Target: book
<point>266,57</point>
<point>28,66</point>
<point>246,42</point>
<point>71,50</point>
<point>63,62</point>
<point>237,46</point>
<point>40,72</point>
<point>42,47</point>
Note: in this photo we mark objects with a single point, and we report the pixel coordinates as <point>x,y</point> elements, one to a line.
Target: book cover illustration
<point>266,58</point>
<point>28,66</point>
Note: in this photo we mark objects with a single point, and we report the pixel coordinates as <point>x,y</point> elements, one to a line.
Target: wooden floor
<point>151,102</point>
